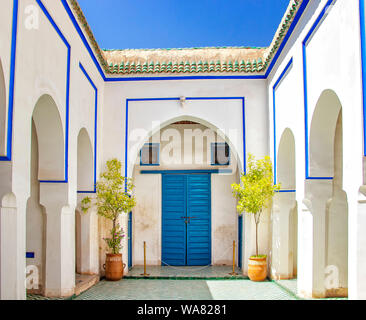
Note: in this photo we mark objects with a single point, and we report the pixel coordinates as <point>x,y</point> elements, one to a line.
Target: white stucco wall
<point>333,62</point>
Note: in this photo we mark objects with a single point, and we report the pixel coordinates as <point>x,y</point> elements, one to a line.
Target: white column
<point>305,249</point>
<point>312,238</point>
<point>12,249</point>
<point>282,251</point>
<point>60,240</point>
<point>89,242</point>
<point>357,247</point>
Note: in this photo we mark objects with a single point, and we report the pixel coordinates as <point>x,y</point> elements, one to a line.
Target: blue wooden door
<point>174,227</point>
<point>199,221</point>
<point>186,219</point>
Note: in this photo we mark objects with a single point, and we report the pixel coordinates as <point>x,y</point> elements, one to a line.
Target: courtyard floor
<point>187,283</point>
<point>155,289</point>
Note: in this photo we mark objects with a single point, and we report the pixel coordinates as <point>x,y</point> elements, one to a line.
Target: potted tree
<point>113,198</point>
<point>254,194</point>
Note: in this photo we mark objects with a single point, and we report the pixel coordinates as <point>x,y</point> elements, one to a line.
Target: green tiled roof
<point>187,67</point>
<point>173,61</point>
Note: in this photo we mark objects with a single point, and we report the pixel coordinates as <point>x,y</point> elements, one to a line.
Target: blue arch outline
<point>8,155</point>
<point>242,99</point>
<point>363,66</point>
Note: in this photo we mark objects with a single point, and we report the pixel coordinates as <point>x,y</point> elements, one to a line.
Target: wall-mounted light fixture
<point>182,101</point>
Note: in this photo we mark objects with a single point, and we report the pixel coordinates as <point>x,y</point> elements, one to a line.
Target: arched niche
<point>286,166</point>
<point>51,143</point>
<point>85,175</point>
<point>322,134</point>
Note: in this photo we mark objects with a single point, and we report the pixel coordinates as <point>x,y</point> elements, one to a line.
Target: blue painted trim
<point>244,137</point>
<point>363,65</point>
<point>285,191</point>
<point>84,40</point>
<point>9,138</point>
<point>29,255</point>
<point>305,42</point>
<point>259,77</point>
<point>151,164</point>
<point>212,153</point>
<point>95,127</point>
<point>208,171</point>
<point>288,35</point>
<point>58,31</point>
<point>280,78</point>
<point>231,77</point>
<point>154,99</point>
<point>187,99</point>
<point>126,139</point>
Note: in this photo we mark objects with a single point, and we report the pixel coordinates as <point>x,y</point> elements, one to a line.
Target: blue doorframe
<point>130,240</point>
<point>240,240</point>
<point>186,219</point>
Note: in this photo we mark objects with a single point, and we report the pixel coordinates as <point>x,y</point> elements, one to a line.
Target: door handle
<point>189,219</point>
<point>186,219</point>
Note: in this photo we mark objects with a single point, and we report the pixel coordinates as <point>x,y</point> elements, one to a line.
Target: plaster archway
<point>284,215</point>
<point>85,173</point>
<point>59,267</point>
<point>86,224</point>
<point>329,208</point>
<point>224,216</point>
<point>51,141</point>
<point>322,134</point>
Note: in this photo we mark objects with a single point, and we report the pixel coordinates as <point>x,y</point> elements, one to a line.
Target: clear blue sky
<point>136,24</point>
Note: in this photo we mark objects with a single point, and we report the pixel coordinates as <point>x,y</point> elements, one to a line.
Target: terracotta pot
<point>257,268</point>
<point>114,267</point>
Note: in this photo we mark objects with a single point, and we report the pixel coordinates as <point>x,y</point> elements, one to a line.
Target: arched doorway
<point>85,181</point>
<point>48,214</point>
<point>284,216</point>
<point>328,201</point>
<point>84,184</point>
<point>177,162</point>
<point>86,224</point>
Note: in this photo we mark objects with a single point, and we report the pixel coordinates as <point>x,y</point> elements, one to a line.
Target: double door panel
<point>186,219</point>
